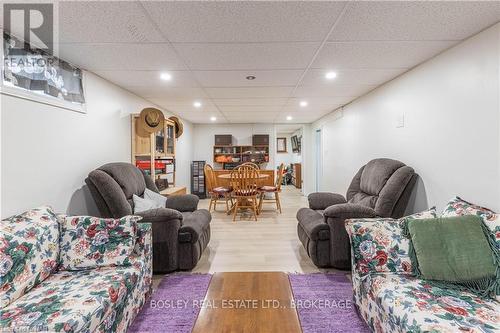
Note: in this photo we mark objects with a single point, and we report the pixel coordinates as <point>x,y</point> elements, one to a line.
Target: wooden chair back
<point>254,165</point>
<point>244,180</point>
<point>208,170</point>
<point>279,179</point>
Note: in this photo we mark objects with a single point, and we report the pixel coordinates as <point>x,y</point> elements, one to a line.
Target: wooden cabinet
<point>260,140</point>
<point>223,139</point>
<point>154,152</point>
<point>235,155</point>
<point>297,175</point>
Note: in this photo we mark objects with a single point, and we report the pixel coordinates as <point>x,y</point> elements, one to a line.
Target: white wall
<point>204,139</point>
<point>47,151</point>
<point>285,158</point>
<point>450,136</point>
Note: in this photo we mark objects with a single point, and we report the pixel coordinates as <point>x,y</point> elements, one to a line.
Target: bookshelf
<point>154,152</point>
<point>234,155</point>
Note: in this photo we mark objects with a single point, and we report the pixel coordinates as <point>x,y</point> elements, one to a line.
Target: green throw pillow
<point>455,250</point>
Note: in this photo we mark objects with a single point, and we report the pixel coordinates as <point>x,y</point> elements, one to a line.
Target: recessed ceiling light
<point>250,77</point>
<point>213,118</point>
<point>303,103</point>
<point>331,75</point>
<point>165,76</point>
<point>197,104</point>
<point>289,118</point>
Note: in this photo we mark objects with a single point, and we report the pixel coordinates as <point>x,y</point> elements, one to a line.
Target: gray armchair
<point>180,231</point>
<point>381,188</point>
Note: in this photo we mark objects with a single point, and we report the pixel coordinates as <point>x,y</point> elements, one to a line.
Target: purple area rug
<point>324,303</point>
<point>174,306</point>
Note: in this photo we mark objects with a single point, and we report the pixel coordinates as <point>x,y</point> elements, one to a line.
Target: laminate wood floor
<point>268,244</point>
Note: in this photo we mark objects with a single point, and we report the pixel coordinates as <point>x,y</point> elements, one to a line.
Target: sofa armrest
<point>144,240</point>
<point>165,228</point>
<point>183,203</point>
<point>159,215</point>
<point>313,224</point>
<point>322,200</point>
<point>193,226</point>
<point>339,240</point>
<point>143,251</point>
<point>348,211</point>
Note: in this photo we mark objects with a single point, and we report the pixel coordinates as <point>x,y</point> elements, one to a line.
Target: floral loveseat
<point>46,286</point>
<point>390,299</point>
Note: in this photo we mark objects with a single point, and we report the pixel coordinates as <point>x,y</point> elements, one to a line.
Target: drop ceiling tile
<point>191,110</point>
<point>238,78</point>
<point>250,101</point>
<point>320,101</point>
<point>415,20</point>
<point>310,109</point>
<point>250,109</point>
<point>148,78</point>
<point>251,118</point>
<point>275,92</point>
<point>169,92</point>
<point>105,21</point>
<point>253,56</point>
<point>351,76</point>
<point>244,21</point>
<point>301,118</point>
<point>183,102</point>
<point>95,57</point>
<point>333,91</point>
<point>202,118</point>
<point>381,55</point>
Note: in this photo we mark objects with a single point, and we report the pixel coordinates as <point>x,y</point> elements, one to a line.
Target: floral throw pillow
<point>458,207</point>
<point>89,242</point>
<point>28,251</point>
<point>378,244</point>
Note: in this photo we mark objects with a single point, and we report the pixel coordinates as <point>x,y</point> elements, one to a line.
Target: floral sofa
<point>43,289</point>
<point>390,299</point>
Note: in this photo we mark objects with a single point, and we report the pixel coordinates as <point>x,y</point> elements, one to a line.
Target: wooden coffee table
<point>248,302</point>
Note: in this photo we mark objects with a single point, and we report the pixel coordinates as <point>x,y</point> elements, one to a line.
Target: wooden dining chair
<point>276,189</point>
<point>216,192</point>
<point>252,164</point>
<point>244,180</point>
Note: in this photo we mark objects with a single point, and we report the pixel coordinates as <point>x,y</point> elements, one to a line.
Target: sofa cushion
<point>129,177</point>
<point>453,249</point>
<point>143,205</point>
<point>402,303</point>
<point>378,244</point>
<point>28,251</point>
<point>159,200</point>
<point>89,242</point>
<point>458,207</point>
<point>376,174</point>
<point>72,301</point>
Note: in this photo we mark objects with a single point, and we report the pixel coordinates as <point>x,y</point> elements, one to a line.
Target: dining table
<point>228,176</point>
<point>260,177</point>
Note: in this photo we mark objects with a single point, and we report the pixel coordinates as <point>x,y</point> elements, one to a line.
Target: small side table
<point>171,191</point>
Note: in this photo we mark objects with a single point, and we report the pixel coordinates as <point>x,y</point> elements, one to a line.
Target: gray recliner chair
<point>381,188</point>
<point>180,231</point>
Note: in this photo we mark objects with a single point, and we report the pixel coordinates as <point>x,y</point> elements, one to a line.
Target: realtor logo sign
<point>32,22</point>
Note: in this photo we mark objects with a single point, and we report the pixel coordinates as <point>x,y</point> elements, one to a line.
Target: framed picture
<point>281,145</point>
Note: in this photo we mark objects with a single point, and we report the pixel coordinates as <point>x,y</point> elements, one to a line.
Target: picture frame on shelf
<point>281,145</point>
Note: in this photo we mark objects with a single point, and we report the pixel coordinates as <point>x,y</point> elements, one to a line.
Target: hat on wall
<point>152,120</point>
<point>179,127</point>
